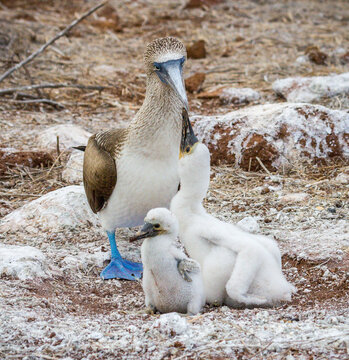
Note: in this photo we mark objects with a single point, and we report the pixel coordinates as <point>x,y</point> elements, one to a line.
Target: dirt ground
<point>248,44</point>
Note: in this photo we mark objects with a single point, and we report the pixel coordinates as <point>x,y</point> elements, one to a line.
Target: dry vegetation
<point>248,44</point>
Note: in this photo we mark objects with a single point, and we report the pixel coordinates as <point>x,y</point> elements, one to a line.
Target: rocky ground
<point>279,146</point>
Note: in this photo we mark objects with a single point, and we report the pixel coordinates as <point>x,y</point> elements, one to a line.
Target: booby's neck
<point>194,172</point>
<point>159,120</point>
<point>186,202</point>
<point>162,95</point>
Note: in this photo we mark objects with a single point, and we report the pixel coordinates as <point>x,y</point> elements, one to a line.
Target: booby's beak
<point>189,140</point>
<point>147,231</point>
<point>170,73</point>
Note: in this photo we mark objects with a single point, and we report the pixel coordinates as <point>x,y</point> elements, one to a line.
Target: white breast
<point>143,183</point>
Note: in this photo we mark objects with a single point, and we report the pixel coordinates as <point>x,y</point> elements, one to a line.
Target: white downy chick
<point>238,268</point>
<point>171,281</point>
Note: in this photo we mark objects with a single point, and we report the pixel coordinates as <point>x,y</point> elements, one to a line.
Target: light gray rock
<point>279,135</point>
<point>309,89</point>
<point>65,208</point>
<point>22,262</point>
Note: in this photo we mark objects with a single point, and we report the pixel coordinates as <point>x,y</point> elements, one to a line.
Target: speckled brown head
<point>165,57</point>
<point>163,49</point>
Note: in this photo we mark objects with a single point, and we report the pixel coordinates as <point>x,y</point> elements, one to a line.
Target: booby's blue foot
<point>116,270</point>
<point>120,268</point>
<point>133,265</point>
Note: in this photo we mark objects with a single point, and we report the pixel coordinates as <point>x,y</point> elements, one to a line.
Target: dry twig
<point>50,42</point>
<point>50,86</point>
<point>262,165</point>
<point>39,101</point>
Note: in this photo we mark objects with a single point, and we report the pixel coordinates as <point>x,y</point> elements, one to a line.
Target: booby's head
<point>159,221</point>
<point>165,57</point>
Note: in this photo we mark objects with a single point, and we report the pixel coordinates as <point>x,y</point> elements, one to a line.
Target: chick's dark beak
<point>146,231</point>
<point>188,136</point>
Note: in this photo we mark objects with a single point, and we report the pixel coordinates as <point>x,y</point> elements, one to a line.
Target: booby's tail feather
<point>81,147</point>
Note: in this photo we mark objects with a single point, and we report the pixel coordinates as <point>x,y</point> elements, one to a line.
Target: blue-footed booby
<point>127,172</point>
<point>238,268</point>
<point>171,281</point>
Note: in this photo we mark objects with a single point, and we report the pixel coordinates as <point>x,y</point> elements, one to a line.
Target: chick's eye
<point>187,149</point>
<point>157,226</point>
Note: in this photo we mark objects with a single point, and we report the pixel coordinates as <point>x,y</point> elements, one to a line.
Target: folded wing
<point>99,171</point>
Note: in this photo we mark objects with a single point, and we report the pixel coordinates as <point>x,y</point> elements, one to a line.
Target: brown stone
<point>265,190</point>
<point>194,4</point>
<point>108,19</point>
<point>197,50</point>
<point>316,56</point>
<point>108,12</point>
<point>194,82</point>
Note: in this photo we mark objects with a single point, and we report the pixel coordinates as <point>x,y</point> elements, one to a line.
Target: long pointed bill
<point>175,80</point>
<point>146,231</point>
<point>170,73</point>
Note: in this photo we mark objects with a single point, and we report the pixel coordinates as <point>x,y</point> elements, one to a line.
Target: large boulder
<point>22,262</point>
<point>62,209</point>
<point>274,135</point>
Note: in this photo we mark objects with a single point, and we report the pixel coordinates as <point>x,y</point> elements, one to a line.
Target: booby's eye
<point>157,226</point>
<point>182,62</point>
<point>156,67</point>
<point>187,149</point>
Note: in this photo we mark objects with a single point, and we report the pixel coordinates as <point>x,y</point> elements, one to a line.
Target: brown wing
<point>99,172</point>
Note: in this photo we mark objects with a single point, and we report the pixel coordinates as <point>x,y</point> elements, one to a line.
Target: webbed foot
<point>117,269</point>
<point>120,268</point>
<point>134,266</point>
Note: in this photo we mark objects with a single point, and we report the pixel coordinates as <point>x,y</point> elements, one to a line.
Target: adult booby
<point>171,281</point>
<point>238,268</point>
<point>127,172</point>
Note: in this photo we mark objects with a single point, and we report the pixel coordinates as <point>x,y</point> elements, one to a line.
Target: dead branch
<point>50,42</point>
<point>50,86</point>
<point>23,96</point>
<point>38,101</point>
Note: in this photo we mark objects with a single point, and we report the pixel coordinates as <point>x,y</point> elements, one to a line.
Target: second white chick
<point>238,268</point>
<point>171,281</point>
